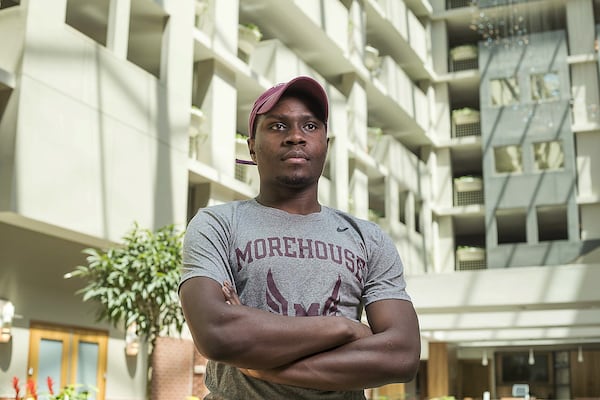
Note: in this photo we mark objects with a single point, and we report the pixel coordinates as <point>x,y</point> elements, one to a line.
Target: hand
<point>230,295</point>
<point>361,330</point>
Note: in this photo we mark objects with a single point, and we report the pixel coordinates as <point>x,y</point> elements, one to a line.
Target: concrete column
<point>357,111</point>
<point>217,93</point>
<point>338,148</point>
<point>439,47</point>
<point>357,135</point>
<point>357,33</point>
<point>439,104</point>
<point>584,89</point>
<point>427,233</point>
<point>359,191</point>
<point>177,51</point>
<point>409,211</point>
<point>441,178</point>
<point>444,254</point>
<point>580,26</point>
<point>117,33</point>
<point>225,16</point>
<point>588,180</point>
<point>392,200</point>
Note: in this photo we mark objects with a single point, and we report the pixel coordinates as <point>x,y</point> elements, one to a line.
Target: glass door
<point>69,356</point>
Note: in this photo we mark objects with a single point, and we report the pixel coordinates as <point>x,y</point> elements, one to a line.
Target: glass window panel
<point>508,159</point>
<point>545,86</point>
<point>87,367</point>
<point>504,91</point>
<point>50,362</point>
<point>548,155</point>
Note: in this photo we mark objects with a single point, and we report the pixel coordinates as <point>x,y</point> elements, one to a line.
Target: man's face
<point>290,144</point>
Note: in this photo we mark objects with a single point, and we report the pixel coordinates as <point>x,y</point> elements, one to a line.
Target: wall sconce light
<point>579,354</point>
<point>531,359</point>
<point>132,340</point>
<point>484,358</point>
<point>7,312</point>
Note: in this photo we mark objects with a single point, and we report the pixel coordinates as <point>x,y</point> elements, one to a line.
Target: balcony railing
<point>450,4</point>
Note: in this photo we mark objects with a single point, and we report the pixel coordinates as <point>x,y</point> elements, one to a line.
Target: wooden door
<point>68,355</point>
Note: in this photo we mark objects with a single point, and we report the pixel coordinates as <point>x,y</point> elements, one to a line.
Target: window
<point>552,223</point>
<point>515,368</point>
<point>545,87</point>
<point>548,155</point>
<point>508,159</point>
<point>146,29</point>
<point>504,91</point>
<point>9,3</point>
<point>89,17</point>
<point>511,226</point>
<point>68,356</point>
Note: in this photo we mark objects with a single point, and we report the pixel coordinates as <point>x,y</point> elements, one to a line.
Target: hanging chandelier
<point>500,22</point>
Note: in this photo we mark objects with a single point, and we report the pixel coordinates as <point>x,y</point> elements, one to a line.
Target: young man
<point>303,273</point>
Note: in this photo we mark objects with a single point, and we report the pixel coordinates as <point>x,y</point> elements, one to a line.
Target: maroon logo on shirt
<point>301,248</point>
<point>278,304</point>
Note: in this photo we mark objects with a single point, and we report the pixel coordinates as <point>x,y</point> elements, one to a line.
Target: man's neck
<point>303,203</point>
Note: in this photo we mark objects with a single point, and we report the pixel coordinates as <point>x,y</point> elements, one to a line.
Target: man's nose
<point>295,136</point>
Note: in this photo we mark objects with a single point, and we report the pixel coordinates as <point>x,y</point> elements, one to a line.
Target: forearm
<point>369,362</point>
<point>391,354</point>
<point>252,338</point>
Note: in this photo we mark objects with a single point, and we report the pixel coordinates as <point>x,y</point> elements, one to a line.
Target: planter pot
<point>248,38</point>
<point>197,118</point>
<point>466,52</point>
<point>470,254</point>
<point>371,58</point>
<point>468,184</point>
<point>465,116</point>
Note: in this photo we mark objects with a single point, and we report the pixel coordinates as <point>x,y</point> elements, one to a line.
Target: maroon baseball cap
<point>270,97</point>
<point>268,100</point>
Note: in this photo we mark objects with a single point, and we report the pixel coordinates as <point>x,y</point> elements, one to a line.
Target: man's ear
<point>250,142</point>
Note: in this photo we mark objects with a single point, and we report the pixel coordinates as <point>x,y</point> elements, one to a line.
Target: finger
<point>231,296</point>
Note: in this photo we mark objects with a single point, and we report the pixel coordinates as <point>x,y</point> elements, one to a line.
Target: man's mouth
<point>295,156</point>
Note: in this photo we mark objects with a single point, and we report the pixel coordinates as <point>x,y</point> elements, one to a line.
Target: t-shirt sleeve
<point>385,277</point>
<point>205,247</point>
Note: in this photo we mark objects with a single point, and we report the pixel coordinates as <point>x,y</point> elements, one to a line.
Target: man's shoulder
<point>227,208</point>
<point>359,223</point>
<point>222,212</point>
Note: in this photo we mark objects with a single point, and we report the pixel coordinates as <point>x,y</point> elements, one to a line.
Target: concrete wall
<point>99,142</point>
<point>524,124</point>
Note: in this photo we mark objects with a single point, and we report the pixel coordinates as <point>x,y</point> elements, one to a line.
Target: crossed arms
<point>327,353</point>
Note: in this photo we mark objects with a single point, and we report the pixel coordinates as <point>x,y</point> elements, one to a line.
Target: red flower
<point>31,389</point>
<point>16,387</point>
<point>50,382</point>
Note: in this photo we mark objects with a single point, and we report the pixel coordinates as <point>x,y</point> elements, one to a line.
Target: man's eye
<point>311,126</point>
<point>278,126</point>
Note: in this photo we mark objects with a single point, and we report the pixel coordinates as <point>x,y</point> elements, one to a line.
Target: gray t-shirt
<point>326,263</point>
